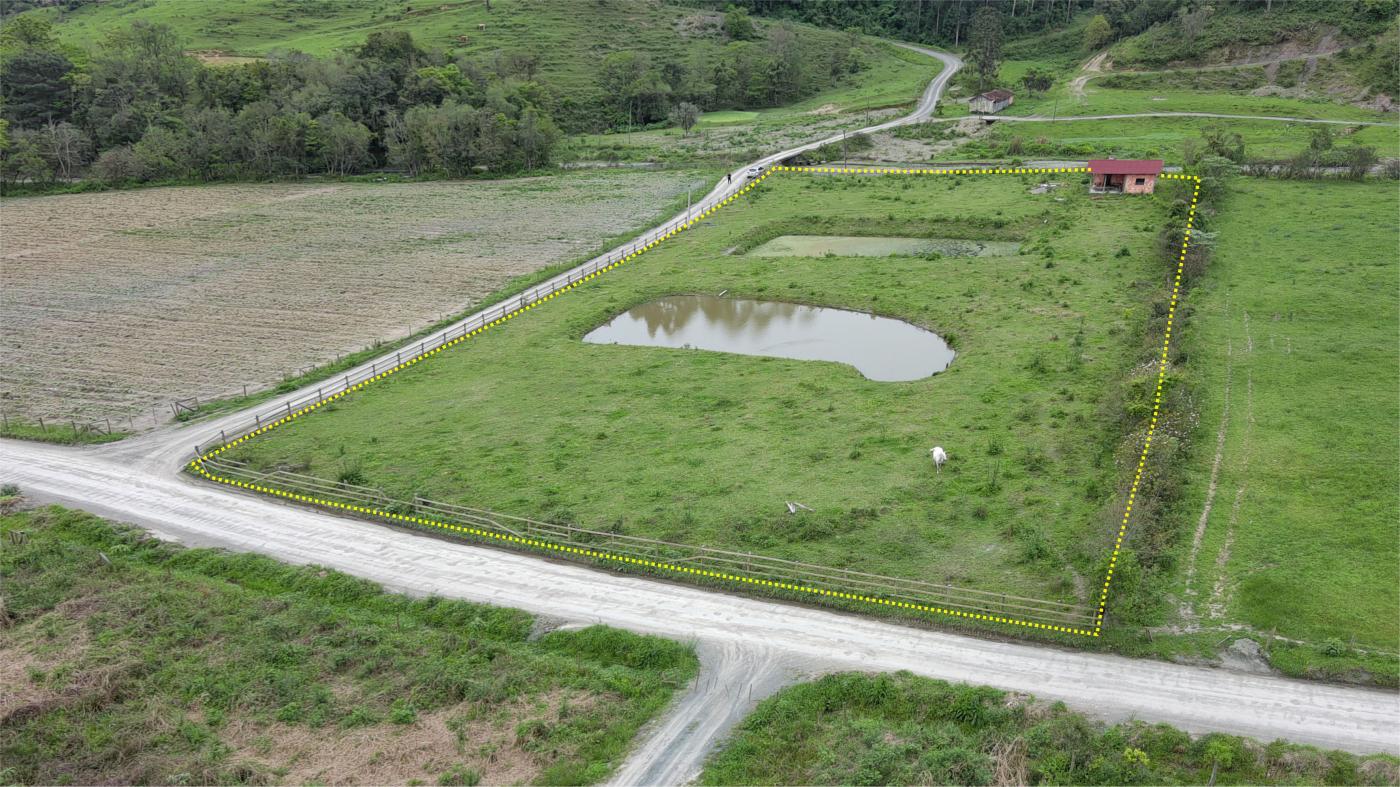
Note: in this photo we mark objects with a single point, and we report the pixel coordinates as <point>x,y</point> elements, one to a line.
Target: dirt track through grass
<point>1301,539</point>
<point>117,303</point>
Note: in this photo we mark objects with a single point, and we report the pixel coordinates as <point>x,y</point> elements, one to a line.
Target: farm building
<point>1126,176</point>
<point>991,101</point>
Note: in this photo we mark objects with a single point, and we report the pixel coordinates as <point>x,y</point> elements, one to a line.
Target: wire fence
<point>654,551</point>
<point>65,427</point>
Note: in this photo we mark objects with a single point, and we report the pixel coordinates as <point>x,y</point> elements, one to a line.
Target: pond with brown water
<point>880,348</point>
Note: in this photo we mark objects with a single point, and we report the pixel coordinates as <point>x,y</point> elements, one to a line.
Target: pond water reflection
<point>880,348</point>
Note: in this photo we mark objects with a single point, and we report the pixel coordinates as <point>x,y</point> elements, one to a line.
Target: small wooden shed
<point>991,101</point>
<point>1125,176</point>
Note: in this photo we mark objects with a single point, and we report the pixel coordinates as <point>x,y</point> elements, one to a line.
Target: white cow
<point>939,457</point>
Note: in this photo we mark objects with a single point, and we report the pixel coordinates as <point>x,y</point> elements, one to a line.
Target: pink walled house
<point>1127,176</point>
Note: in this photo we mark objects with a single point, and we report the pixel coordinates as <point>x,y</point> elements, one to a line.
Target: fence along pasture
<point>789,572</point>
<point>968,600</point>
<point>103,427</point>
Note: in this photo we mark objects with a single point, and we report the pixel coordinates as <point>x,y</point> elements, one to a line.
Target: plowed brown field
<point>113,304</point>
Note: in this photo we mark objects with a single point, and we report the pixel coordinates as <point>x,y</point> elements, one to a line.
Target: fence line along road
<point>790,572</point>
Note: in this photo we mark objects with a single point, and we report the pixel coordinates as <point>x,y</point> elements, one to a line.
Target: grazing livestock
<point>939,457</point>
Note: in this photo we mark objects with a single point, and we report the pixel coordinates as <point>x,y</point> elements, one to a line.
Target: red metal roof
<point>1116,166</point>
<point>996,95</point>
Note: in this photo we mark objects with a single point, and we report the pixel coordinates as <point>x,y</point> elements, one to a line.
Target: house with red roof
<point>1125,176</point>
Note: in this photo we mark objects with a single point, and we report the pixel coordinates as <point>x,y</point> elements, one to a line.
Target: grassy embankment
<point>903,729</point>
<point>1294,331</point>
<point>703,447</point>
<point>1101,100</point>
<point>1158,138</point>
<point>129,660</point>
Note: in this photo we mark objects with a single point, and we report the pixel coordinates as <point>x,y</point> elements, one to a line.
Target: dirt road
<point>1276,118</point>
<point>1090,70</point>
<point>1194,698</point>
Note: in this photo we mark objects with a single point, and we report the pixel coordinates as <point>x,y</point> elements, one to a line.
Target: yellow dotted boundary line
<point>1156,399</point>
<point>198,464</point>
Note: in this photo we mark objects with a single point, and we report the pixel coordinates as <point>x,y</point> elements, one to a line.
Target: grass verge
<point>131,660</point>
<point>903,729</point>
<point>74,434</point>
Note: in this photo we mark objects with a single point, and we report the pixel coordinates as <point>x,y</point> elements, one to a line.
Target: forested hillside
<point>1141,34</point>
<point>133,89</point>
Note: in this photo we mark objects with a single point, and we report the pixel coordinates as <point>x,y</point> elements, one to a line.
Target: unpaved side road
<point>1198,699</point>
<point>1276,118</point>
<point>733,679</point>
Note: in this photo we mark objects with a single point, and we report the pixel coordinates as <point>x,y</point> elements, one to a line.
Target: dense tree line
<point>946,22</point>
<point>756,67</point>
<point>137,108</point>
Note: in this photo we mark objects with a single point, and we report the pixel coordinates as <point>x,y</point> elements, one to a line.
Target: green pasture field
<point>704,448</point>
<point>1297,319</point>
<point>1160,138</point>
<point>726,118</point>
<point>132,661</point>
<point>903,729</point>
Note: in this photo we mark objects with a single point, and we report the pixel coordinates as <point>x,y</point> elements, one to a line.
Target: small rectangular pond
<point>874,246</point>
<point>880,348</point>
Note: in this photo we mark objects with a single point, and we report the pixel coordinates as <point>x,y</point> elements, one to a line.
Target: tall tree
<point>139,76</point>
<point>1097,34</point>
<point>65,147</point>
<point>1036,80</point>
<point>34,88</point>
<point>785,75</point>
<point>34,74</point>
<point>984,44</point>
<point>738,26</point>
<point>685,115</point>
<point>536,136</point>
<point>341,144</point>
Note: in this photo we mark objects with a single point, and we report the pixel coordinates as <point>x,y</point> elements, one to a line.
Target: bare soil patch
<point>457,737</point>
<point>114,304</point>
